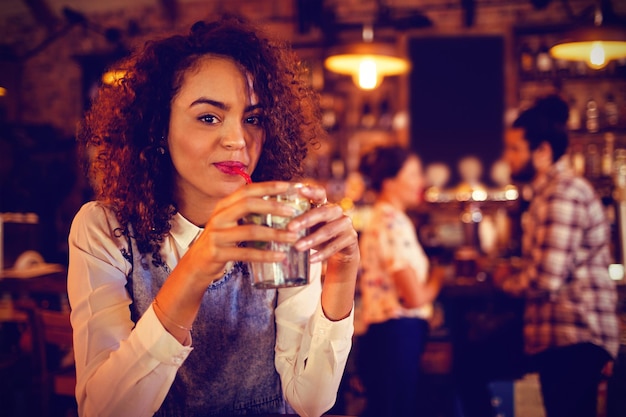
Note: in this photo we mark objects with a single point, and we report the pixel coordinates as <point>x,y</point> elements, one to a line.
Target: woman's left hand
<point>333,238</point>
<point>331,233</point>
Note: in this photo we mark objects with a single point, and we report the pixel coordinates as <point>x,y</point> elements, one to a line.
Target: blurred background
<point>448,77</point>
<point>466,69</point>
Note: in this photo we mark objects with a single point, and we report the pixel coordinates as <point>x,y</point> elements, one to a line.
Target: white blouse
<point>125,369</point>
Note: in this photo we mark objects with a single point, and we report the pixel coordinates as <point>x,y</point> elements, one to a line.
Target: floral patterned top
<point>389,244</point>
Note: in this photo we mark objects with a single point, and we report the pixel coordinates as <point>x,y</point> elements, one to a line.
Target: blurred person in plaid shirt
<point>570,321</point>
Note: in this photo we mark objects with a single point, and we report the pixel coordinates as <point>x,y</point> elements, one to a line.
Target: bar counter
<point>51,281</point>
<point>47,287</point>
<point>484,322</point>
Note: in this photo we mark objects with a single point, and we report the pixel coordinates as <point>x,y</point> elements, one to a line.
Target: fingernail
<point>302,244</point>
<point>315,257</point>
<point>307,189</point>
<point>294,225</point>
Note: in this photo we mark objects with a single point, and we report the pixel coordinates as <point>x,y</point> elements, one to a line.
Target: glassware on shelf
<point>544,61</point>
<point>611,111</point>
<point>592,122</point>
<point>607,154</point>
<point>526,61</point>
<point>574,121</point>
<point>593,162</point>
<point>578,160</point>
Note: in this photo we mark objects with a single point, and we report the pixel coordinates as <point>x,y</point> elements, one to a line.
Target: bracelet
<point>180,326</point>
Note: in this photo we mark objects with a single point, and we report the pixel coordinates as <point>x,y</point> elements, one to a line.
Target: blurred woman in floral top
<point>397,289</point>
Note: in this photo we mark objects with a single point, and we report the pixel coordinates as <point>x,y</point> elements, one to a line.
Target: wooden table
<point>47,287</point>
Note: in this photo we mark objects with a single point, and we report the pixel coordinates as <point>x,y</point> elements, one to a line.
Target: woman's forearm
<point>339,287</point>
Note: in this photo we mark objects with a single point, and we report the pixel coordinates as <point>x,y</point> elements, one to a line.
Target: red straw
<point>243,174</point>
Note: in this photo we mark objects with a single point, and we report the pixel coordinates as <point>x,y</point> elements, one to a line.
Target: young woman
<point>158,252</point>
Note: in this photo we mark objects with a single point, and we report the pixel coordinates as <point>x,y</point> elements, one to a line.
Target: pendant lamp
<point>595,44</point>
<point>367,62</point>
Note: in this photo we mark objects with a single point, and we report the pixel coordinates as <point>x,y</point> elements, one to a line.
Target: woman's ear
<point>387,184</point>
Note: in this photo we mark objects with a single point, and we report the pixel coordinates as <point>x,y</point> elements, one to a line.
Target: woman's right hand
<point>206,260</point>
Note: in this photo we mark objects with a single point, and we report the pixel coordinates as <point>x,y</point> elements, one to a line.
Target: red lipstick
<point>234,168</point>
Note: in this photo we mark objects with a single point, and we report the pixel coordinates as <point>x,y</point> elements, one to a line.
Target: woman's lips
<point>234,168</point>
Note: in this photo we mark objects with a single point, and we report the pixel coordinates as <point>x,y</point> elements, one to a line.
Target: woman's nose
<point>234,136</point>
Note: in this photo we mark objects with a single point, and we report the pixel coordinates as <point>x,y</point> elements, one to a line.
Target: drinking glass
<point>292,271</point>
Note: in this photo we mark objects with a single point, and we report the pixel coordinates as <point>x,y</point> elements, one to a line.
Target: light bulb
<point>113,77</point>
<point>597,56</point>
<point>368,74</point>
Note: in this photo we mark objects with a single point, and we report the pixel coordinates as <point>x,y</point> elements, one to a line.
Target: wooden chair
<point>15,364</point>
<point>52,333</point>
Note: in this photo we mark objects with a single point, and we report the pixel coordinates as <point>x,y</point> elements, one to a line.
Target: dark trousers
<point>388,364</point>
<point>569,379</point>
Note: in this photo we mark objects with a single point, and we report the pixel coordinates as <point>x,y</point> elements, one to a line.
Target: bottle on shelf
<point>578,160</point>
<point>592,113</point>
<point>385,119</point>
<point>574,121</point>
<point>368,118</point>
<point>526,61</point>
<point>611,112</point>
<point>329,119</point>
<point>593,162</point>
<point>563,68</point>
<point>620,68</point>
<point>544,62</point>
<point>336,185</point>
<point>329,116</point>
<point>607,154</point>
<point>580,69</point>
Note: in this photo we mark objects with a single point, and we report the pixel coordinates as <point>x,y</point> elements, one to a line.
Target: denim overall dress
<point>231,369</point>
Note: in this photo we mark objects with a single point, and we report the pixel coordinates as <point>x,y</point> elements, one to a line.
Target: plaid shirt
<point>570,297</point>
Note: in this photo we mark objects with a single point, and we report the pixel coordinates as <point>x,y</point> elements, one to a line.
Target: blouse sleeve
<point>122,369</point>
<point>311,350</point>
<point>397,243</point>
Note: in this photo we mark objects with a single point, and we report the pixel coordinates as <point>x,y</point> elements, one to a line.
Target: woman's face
<point>215,128</point>
<point>409,183</point>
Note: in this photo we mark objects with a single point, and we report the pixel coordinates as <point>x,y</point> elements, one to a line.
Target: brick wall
<point>47,87</point>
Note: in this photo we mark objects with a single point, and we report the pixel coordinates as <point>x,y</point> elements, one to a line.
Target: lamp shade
<point>596,45</point>
<point>367,62</point>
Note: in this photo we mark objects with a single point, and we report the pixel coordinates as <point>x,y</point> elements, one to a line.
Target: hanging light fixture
<point>113,77</point>
<point>597,44</point>
<point>367,62</point>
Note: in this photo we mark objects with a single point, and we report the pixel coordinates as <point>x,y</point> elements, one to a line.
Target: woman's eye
<point>208,118</point>
<point>253,120</point>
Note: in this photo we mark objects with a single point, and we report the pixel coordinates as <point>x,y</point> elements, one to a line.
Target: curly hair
<point>126,127</point>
